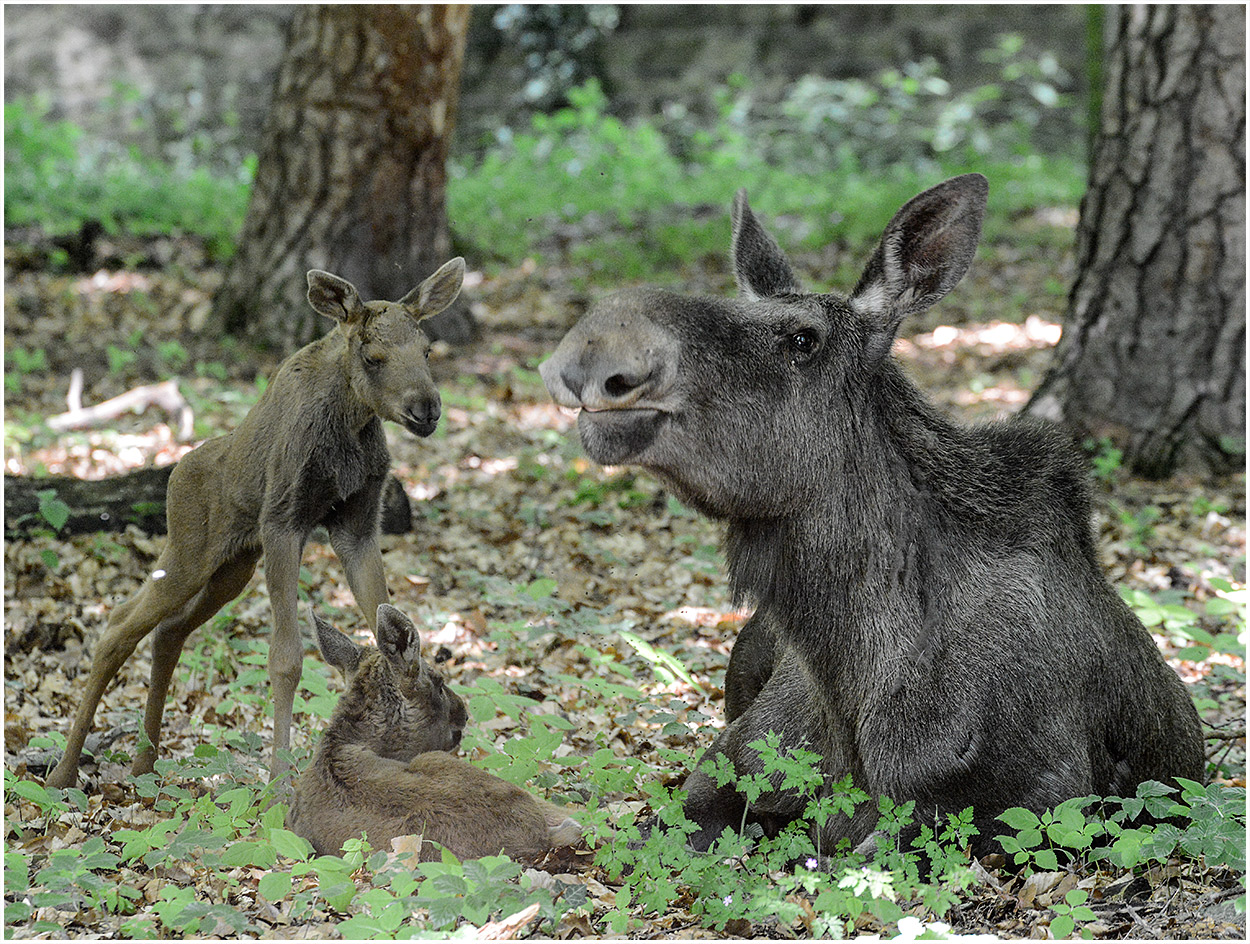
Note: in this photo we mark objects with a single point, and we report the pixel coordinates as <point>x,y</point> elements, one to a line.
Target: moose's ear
<point>436,292</point>
<point>333,297</point>
<point>924,251</point>
<point>398,638</point>
<point>336,648</point>
<point>760,266</point>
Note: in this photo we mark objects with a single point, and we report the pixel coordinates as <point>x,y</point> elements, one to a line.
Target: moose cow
<point>930,616</point>
<point>311,452</point>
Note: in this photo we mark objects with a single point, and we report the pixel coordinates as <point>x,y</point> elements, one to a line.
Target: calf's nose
<point>426,409</point>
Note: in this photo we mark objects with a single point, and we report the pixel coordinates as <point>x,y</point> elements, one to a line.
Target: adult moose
<point>311,452</point>
<point>930,614</point>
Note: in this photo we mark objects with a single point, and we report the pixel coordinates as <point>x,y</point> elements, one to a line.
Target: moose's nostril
<point>621,385</point>
<point>426,410</point>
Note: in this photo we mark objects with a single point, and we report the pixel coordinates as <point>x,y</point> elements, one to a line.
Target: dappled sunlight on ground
<point>994,337</point>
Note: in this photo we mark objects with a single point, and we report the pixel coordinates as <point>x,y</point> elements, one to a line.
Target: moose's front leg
<point>782,706</point>
<point>354,537</point>
<point>283,550</point>
<point>362,563</point>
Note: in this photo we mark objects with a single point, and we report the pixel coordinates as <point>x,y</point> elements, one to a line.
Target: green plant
<point>55,514</point>
<point>745,876</point>
<point>912,115</point>
<point>1105,459</point>
<point>1166,611</point>
<point>1040,839</point>
<point>1070,912</point>
<point>1202,822</point>
<point>1139,525</point>
<point>598,180</point>
<point>21,362</point>
<point>173,354</point>
<point>57,178</point>
<point>120,358</point>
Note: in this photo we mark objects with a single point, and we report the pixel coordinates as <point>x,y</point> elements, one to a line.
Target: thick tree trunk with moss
<point>351,176</point>
<point>1153,347</point>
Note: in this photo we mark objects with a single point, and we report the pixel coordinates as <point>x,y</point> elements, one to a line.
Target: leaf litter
<point>545,586</point>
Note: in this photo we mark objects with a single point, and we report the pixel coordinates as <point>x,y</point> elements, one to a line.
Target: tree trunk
<point>1152,353</point>
<point>352,175</point>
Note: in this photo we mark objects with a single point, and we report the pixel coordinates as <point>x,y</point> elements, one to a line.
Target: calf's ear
<point>398,639</point>
<point>336,648</point>
<point>436,292</point>
<point>924,251</point>
<point>760,267</point>
<point>333,297</point>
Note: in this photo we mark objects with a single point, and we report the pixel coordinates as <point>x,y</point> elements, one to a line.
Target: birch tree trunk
<point>1153,346</point>
<point>351,176</point>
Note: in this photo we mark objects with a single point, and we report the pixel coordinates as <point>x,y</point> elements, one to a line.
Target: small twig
<point>74,397</point>
<point>1138,921</point>
<point>1223,894</point>
<point>984,876</point>
<point>1230,736</point>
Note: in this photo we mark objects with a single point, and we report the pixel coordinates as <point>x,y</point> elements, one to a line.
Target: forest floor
<point>533,573</point>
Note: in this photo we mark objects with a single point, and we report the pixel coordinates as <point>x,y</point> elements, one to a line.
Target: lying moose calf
<point>381,766</point>
<point>930,614</point>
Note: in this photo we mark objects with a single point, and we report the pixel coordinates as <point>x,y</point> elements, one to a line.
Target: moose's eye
<point>804,342</point>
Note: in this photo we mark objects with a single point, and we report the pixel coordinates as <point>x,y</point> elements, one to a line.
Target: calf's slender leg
<point>366,575</point>
<point>171,635</point>
<point>166,592</point>
<point>283,550</point>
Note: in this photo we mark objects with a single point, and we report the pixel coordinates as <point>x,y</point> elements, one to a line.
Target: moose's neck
<point>852,571</point>
<point>328,369</point>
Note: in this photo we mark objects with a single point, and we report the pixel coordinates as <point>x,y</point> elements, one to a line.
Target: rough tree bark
<point>352,168</point>
<point>1153,346</point>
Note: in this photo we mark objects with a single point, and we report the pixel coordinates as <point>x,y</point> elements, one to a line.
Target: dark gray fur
<point>930,613</point>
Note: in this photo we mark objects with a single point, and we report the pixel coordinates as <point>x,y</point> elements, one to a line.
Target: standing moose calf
<point>382,765</point>
<point>311,452</point>
<point>930,614</point>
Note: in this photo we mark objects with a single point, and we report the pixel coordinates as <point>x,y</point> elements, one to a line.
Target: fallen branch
<point>93,505</point>
<point>166,395</point>
<point>138,498</point>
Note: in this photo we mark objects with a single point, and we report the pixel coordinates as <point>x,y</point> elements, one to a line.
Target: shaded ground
<point>504,502</point>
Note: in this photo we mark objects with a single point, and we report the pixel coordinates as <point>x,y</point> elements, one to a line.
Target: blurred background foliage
<point>560,164</point>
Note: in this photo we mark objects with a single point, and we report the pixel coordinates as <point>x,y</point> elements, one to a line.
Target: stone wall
<point>210,67</point>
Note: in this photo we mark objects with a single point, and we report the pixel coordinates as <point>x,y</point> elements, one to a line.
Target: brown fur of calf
<point>382,766</point>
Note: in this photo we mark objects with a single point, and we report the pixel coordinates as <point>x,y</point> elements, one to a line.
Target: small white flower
<point>727,900</point>
<point>811,863</point>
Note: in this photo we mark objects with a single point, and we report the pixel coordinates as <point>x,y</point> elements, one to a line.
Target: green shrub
<point>58,179</point>
<point>619,196</point>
